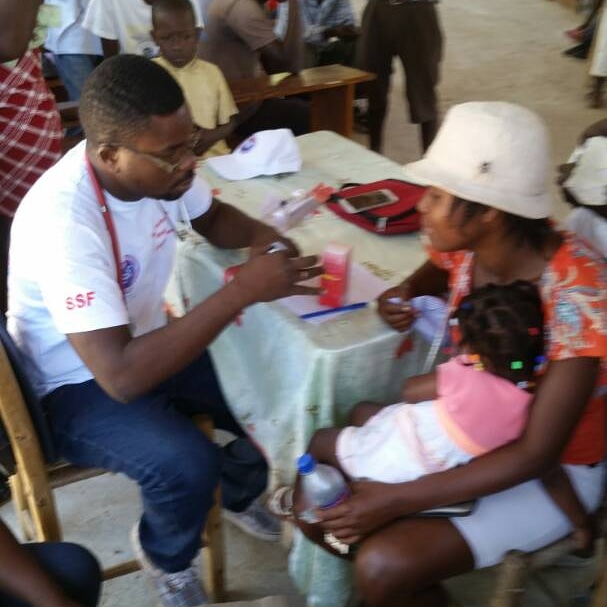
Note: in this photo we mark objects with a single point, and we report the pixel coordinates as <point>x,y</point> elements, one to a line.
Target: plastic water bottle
<point>322,486</point>
<point>286,214</point>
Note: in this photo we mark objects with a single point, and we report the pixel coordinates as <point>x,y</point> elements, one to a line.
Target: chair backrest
<point>32,402</point>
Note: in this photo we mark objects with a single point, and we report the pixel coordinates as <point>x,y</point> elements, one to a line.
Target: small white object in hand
<point>336,544</point>
<point>276,247</point>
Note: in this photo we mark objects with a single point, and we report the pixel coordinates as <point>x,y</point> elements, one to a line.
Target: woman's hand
<point>394,308</point>
<point>371,506</point>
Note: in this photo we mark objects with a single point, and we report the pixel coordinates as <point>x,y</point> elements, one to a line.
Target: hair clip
<point>540,361</point>
<point>533,331</point>
<point>453,322</point>
<point>516,365</point>
<point>475,359</point>
<point>524,385</point>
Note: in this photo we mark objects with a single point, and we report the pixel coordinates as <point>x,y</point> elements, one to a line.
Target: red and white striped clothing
<point>30,129</point>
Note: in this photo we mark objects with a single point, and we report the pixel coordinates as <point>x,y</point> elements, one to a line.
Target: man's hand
<point>204,140</point>
<point>273,276</point>
<point>370,507</point>
<point>343,32</point>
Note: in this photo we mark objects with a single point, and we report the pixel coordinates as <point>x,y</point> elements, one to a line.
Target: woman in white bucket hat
<point>485,217</point>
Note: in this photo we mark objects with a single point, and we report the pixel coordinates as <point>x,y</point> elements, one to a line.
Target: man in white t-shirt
<point>117,381</point>
<point>124,26</point>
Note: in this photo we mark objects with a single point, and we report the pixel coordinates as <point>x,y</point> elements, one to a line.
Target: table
<point>283,377</point>
<point>330,88</point>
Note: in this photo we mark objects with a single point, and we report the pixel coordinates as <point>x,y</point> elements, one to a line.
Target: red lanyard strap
<point>107,217</point>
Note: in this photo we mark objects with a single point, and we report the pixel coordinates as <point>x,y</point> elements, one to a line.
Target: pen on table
<point>406,344</point>
<point>346,308</point>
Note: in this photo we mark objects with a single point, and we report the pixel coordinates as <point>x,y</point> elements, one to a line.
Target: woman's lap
<point>409,556</point>
<point>413,553</point>
<point>524,517</point>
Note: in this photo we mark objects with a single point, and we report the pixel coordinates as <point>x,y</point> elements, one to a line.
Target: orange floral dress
<point>573,289</point>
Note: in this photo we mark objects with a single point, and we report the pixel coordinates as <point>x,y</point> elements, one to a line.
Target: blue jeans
<point>73,69</point>
<point>73,568</point>
<point>153,441</point>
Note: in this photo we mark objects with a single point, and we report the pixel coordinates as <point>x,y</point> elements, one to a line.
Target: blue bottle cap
<point>305,463</point>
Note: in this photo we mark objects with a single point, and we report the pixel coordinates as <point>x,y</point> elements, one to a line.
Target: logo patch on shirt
<point>130,271</point>
<point>80,300</point>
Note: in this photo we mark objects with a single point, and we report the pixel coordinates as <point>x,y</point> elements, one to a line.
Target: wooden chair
<point>38,470</point>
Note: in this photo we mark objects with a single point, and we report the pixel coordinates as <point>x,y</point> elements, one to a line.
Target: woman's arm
<point>556,409</point>
<point>17,22</point>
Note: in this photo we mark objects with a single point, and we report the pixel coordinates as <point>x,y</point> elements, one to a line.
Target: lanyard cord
<point>109,222</point>
<point>439,336</point>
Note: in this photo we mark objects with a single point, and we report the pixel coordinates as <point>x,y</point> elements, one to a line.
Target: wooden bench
<point>330,89</point>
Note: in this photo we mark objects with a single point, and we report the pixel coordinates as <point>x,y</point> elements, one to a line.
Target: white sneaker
<point>179,589</point>
<point>257,521</point>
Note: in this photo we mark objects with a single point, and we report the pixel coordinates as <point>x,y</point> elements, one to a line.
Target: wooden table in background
<point>330,88</point>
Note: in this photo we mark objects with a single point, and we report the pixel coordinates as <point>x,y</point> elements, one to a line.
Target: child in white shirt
<point>584,185</point>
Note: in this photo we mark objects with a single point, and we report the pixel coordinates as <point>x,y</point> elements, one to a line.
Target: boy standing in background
<point>204,87</point>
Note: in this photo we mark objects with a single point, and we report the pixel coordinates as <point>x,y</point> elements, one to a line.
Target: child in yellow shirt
<point>204,87</point>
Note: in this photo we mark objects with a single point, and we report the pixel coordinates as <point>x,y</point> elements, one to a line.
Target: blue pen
<point>347,308</point>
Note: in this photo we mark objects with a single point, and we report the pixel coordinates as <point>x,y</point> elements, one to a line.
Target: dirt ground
<point>509,50</point>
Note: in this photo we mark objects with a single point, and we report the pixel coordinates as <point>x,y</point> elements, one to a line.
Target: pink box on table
<point>334,282</point>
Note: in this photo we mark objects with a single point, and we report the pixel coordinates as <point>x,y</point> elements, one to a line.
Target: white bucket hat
<point>264,153</point>
<point>588,178</point>
<point>491,152</point>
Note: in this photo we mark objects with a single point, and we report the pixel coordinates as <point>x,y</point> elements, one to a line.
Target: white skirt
<point>398,444</point>
<point>525,517</point>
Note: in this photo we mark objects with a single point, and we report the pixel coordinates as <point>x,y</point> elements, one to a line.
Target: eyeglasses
<point>168,162</point>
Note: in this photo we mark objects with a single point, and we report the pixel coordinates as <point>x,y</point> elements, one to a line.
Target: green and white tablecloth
<point>282,376</point>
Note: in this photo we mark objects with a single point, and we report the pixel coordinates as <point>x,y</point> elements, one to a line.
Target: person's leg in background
<point>73,69</point>
<point>420,48</point>
<point>375,55</point>
<point>598,67</point>
<point>72,567</point>
<point>340,51</point>
<point>290,113</point>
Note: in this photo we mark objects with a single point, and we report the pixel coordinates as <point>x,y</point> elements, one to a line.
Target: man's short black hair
<point>165,6</point>
<point>122,94</point>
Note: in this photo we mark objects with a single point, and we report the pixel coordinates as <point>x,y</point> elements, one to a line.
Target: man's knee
<point>189,465</point>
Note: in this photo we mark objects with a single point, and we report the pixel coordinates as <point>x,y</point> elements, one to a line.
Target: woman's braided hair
<point>503,324</point>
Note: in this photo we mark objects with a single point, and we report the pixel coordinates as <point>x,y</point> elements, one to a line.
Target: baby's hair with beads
<point>504,326</point>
